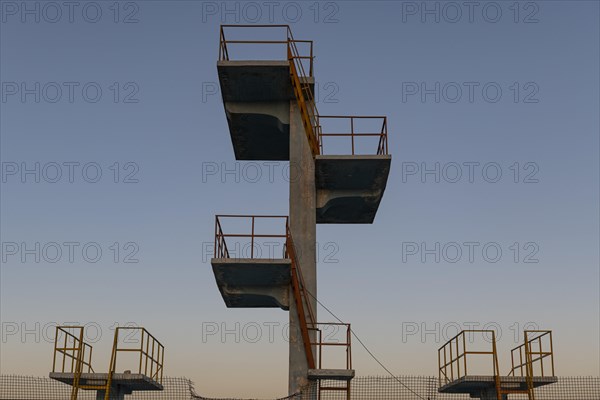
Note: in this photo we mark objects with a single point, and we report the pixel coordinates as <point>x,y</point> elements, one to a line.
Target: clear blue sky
<point>159,118</point>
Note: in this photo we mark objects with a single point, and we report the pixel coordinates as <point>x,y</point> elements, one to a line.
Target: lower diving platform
<point>250,263</point>
<point>253,282</point>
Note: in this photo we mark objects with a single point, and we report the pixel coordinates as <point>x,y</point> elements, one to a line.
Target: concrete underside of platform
<point>331,374</point>
<point>127,383</point>
<point>256,95</point>
<point>477,385</point>
<point>350,188</point>
<point>253,283</point>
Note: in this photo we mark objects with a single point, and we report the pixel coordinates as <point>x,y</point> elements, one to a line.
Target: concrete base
<point>350,188</point>
<point>122,384</point>
<point>253,282</point>
<point>256,95</point>
<point>484,387</point>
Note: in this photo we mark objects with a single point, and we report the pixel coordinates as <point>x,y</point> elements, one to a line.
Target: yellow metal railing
<point>70,346</point>
<point>531,353</point>
<point>454,354</point>
<point>151,353</point>
<point>72,353</point>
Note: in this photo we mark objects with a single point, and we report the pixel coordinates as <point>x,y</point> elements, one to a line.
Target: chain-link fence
<point>363,388</point>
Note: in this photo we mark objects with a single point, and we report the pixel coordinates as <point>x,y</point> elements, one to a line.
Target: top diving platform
<point>352,160</point>
<point>532,365</point>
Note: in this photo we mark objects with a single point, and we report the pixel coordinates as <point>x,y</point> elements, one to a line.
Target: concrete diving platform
<point>350,187</point>
<point>123,383</point>
<point>253,282</point>
<point>256,96</point>
<point>331,374</point>
<point>479,385</point>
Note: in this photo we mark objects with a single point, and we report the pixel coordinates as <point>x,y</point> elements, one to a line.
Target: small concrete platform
<point>127,383</point>
<point>331,374</point>
<point>477,384</point>
<point>253,282</point>
<point>256,95</point>
<point>350,188</point>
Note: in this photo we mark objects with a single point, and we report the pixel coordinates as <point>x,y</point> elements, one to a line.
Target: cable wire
<point>366,348</point>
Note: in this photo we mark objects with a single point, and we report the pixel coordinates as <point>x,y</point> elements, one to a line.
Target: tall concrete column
<point>303,225</point>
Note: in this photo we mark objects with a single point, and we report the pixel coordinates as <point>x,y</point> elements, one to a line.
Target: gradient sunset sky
<point>505,87</point>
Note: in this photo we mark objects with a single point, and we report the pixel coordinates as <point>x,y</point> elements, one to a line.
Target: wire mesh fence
<point>14,387</point>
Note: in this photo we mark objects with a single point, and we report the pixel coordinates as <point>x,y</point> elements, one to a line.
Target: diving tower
<point>341,166</point>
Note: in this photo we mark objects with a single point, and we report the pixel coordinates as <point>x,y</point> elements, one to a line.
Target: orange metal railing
<point>221,249</point>
<point>285,32</point>
<point>321,342</point>
<point>377,129</point>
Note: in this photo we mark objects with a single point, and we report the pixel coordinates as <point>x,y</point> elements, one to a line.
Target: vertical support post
<point>303,230</point>
<point>115,394</point>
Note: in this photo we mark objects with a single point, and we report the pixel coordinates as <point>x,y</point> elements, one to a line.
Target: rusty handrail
<point>382,145</point>
<point>301,300</point>
<point>220,244</point>
<point>224,51</point>
<point>320,343</point>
